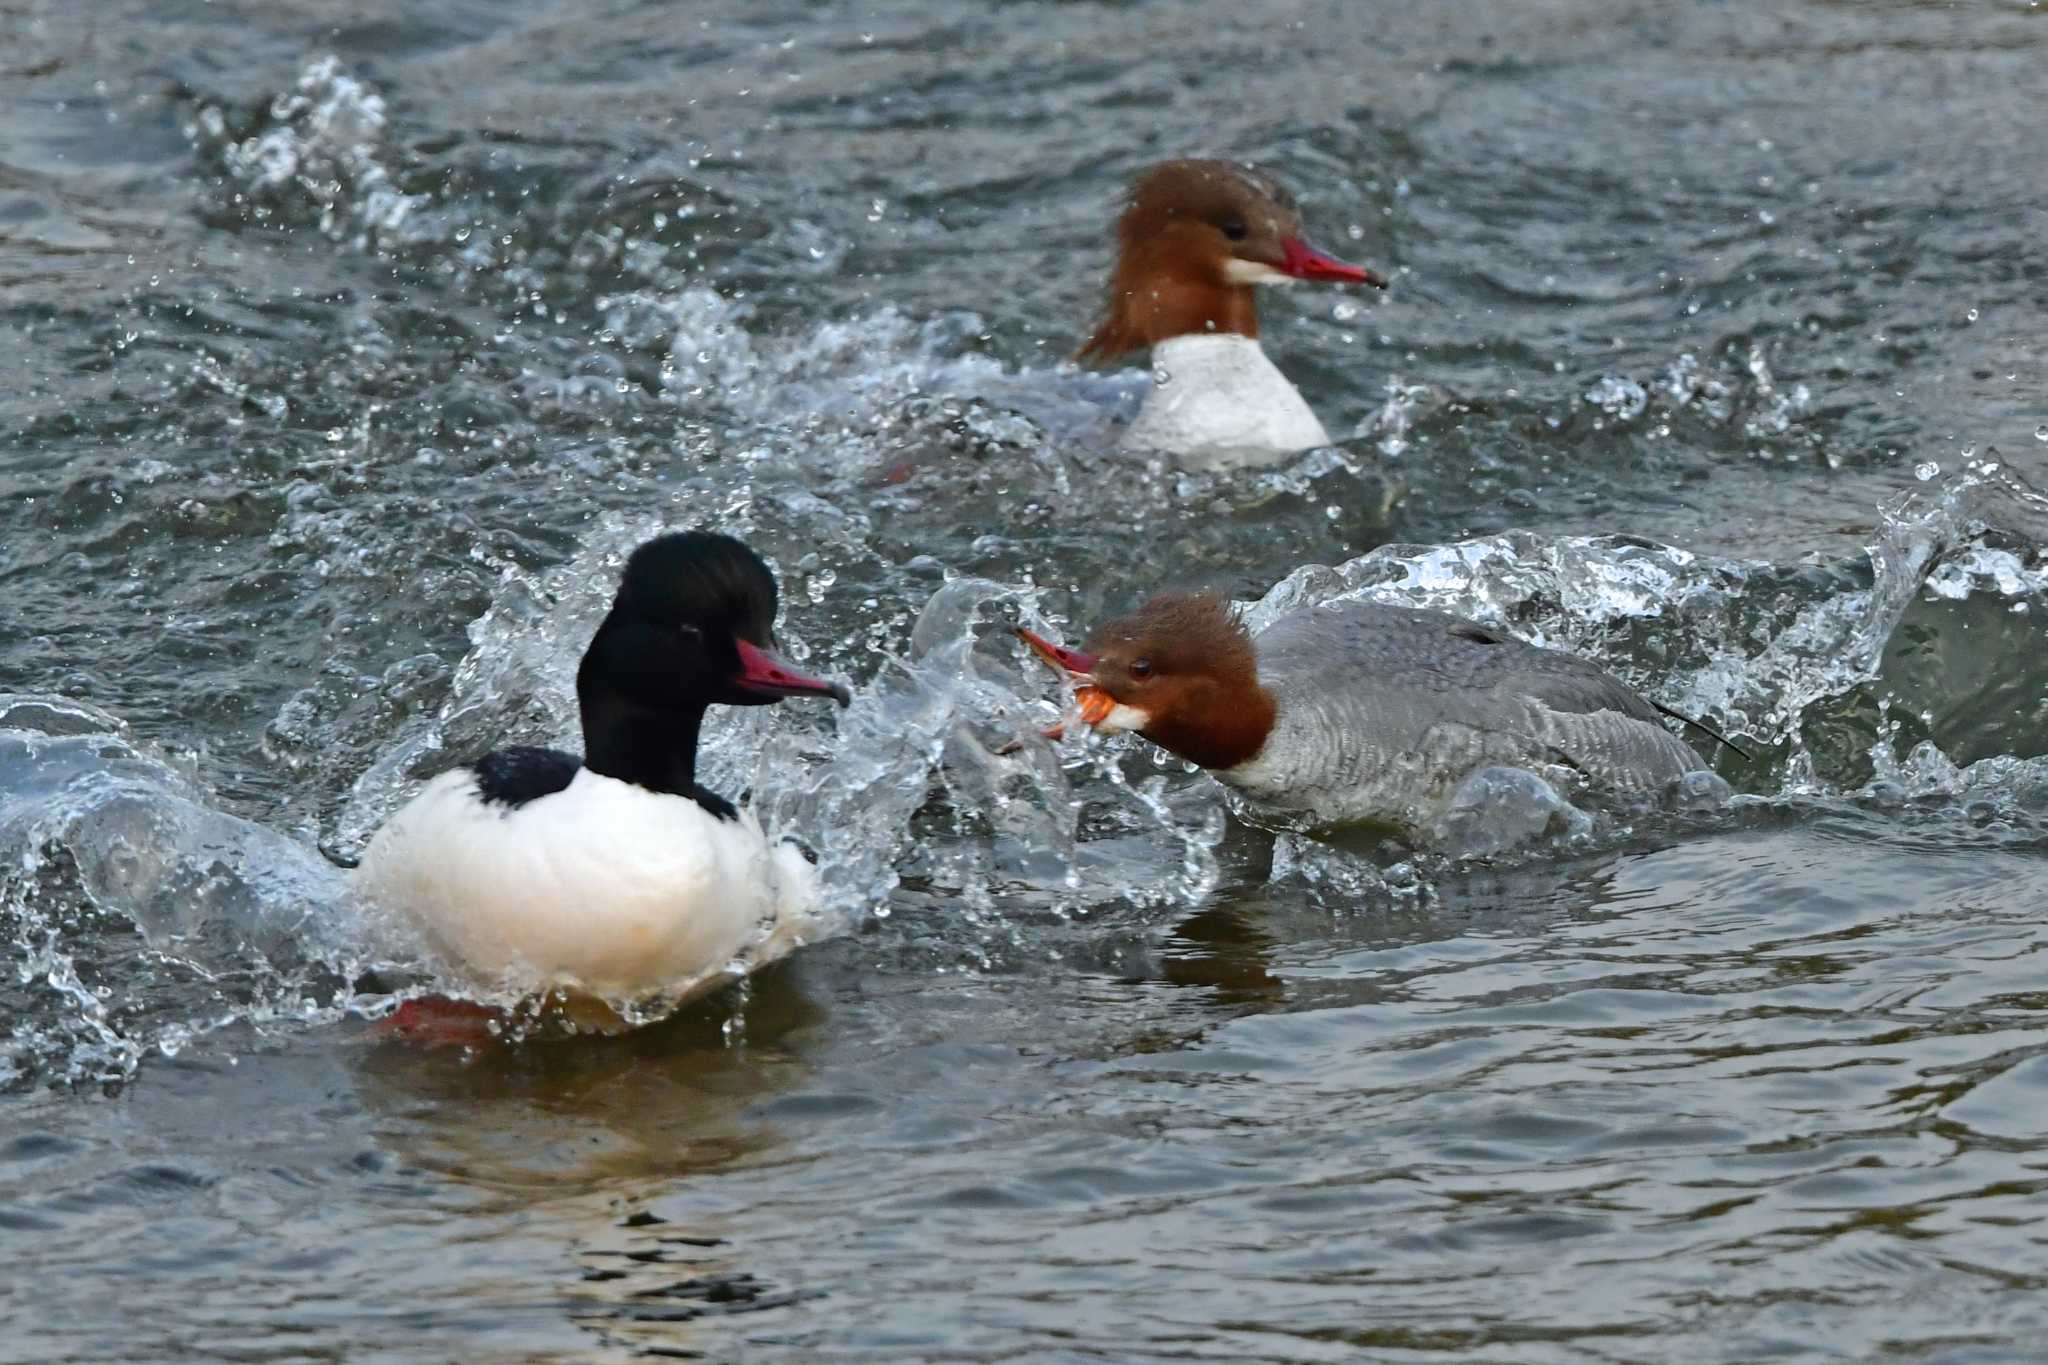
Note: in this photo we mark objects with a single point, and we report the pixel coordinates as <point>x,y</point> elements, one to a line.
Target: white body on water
<point>1217,401</point>
<point>603,887</point>
<point>614,873</point>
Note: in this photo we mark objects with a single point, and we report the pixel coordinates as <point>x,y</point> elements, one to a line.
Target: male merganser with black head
<point>616,875</point>
<point>1356,712</point>
<point>1195,239</point>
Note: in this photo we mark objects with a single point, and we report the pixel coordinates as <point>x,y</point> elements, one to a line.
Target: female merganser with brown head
<point>615,874</point>
<point>1195,239</point>
<point>1353,711</point>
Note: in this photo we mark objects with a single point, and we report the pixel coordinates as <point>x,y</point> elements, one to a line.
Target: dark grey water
<point>347,347</point>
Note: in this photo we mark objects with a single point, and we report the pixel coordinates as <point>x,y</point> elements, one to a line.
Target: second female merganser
<point>615,875</point>
<point>1194,240</point>
<point>1357,712</point>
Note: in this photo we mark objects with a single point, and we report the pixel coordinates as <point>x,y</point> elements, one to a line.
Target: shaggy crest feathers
<point>1181,224</point>
<point>1180,632</point>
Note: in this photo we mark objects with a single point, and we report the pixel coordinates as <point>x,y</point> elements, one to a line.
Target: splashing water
<point>909,803</point>
<point>320,154</point>
<point>909,785</point>
<point>1620,398</point>
<point>1745,645</point>
<point>884,457</point>
<point>209,897</point>
<point>1393,424</point>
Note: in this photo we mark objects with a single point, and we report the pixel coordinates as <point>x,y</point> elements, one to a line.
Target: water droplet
<point>1161,375</point>
<point>1971,315</point>
<point>1926,470</point>
<point>2041,432</point>
<point>1344,310</point>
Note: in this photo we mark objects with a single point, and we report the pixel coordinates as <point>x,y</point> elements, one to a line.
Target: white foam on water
<point>322,145</point>
<point>209,895</point>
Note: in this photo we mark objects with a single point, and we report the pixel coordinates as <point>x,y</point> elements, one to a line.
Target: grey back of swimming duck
<point>1379,710</point>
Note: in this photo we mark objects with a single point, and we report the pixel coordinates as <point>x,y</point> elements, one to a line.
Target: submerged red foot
<point>436,1021</point>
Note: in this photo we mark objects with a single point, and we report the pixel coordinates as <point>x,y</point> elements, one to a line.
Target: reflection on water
<point>666,1100</point>
<point>1724,1082</point>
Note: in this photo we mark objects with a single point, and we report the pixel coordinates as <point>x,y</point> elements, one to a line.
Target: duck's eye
<point>1233,228</point>
<point>690,633</point>
<point>1141,668</point>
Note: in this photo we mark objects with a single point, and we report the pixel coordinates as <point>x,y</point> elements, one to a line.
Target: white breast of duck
<point>602,887</point>
<point>1218,401</point>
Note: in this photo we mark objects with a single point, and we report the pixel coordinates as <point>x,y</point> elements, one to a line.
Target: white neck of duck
<point>1222,404</point>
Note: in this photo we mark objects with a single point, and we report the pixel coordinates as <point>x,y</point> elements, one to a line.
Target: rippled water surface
<point>350,347</point>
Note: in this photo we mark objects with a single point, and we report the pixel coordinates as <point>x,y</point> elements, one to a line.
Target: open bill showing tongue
<point>1095,703</point>
<point>1093,706</point>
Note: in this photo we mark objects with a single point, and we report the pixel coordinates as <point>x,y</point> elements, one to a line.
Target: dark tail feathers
<point>1709,731</point>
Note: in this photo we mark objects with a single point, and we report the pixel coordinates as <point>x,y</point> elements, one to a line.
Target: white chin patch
<point>1253,272</point>
<point>1122,718</point>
